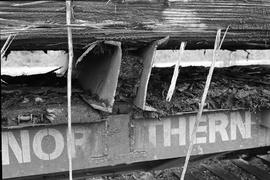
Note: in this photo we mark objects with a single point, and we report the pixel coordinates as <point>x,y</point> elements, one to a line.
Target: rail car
<point>120,121</point>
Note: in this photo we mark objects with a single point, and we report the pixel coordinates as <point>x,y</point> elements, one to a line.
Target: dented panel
<point>119,140</point>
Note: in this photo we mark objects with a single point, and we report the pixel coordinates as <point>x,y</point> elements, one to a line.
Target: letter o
<point>59,144</point>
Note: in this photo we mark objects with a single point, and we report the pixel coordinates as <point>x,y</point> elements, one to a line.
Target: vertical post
<point>70,61</point>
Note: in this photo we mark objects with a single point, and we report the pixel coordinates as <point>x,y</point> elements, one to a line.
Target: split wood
<point>206,88</point>
<point>70,62</point>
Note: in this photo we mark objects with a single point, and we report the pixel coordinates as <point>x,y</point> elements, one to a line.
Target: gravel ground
<point>195,169</point>
<point>230,167</point>
<point>258,163</point>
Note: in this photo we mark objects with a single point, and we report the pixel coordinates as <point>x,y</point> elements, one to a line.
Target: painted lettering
<point>153,133</point>
<point>169,131</point>
<point>222,126</point>
<point>18,144</point>
<point>81,142</point>
<point>180,131</point>
<point>201,129</point>
<point>22,153</point>
<point>218,124</point>
<point>37,144</point>
<point>244,127</point>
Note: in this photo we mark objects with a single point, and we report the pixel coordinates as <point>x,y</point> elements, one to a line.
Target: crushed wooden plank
<point>139,23</point>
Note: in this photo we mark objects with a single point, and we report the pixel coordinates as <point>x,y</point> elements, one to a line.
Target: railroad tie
<point>265,159</point>
<point>220,172</point>
<point>258,173</point>
<point>188,176</point>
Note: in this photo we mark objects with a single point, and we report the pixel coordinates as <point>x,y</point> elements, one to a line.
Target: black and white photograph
<point>135,89</point>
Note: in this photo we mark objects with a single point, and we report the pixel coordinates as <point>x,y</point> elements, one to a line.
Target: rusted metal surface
<point>120,140</point>
<point>135,23</point>
<point>148,55</point>
<point>266,119</point>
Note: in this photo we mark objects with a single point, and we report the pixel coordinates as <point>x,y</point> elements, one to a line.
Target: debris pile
<point>129,78</point>
<point>233,87</point>
<point>41,99</point>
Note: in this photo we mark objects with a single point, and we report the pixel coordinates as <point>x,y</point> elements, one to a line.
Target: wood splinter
<point>175,73</point>
<point>217,47</point>
<point>91,46</point>
<point>70,62</point>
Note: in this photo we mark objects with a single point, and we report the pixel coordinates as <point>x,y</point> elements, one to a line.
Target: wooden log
<point>137,23</point>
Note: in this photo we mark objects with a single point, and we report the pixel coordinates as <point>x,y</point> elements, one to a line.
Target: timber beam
<point>137,24</point>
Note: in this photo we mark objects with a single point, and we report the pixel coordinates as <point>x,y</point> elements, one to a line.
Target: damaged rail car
<point>119,140</point>
<point>124,54</point>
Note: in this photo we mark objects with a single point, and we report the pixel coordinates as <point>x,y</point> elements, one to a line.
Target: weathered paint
<point>217,132</point>
<point>43,150</point>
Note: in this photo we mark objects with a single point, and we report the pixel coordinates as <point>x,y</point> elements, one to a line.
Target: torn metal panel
<point>99,73</point>
<point>148,54</point>
<point>147,67</point>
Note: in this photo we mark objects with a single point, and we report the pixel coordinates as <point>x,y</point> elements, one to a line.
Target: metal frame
<point>120,140</point>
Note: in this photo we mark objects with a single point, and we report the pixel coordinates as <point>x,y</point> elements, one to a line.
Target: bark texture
<point>136,23</point>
